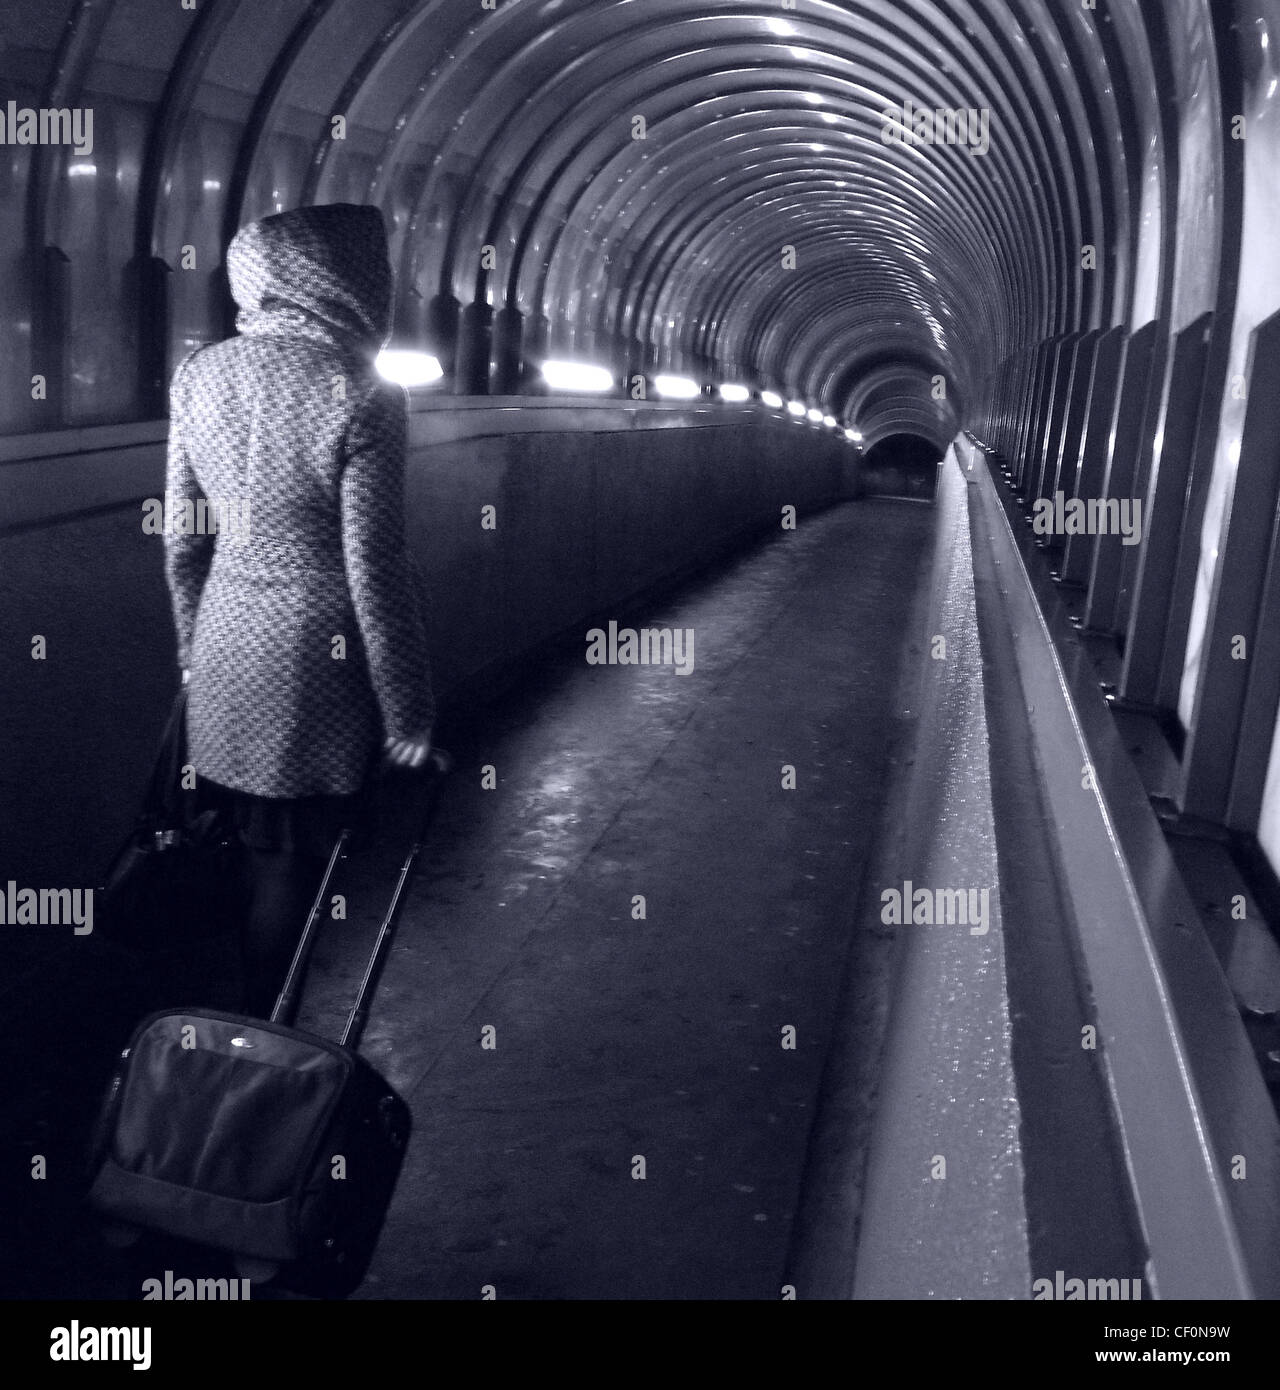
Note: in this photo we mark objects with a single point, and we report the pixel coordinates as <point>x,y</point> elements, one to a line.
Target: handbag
<point>179,868</point>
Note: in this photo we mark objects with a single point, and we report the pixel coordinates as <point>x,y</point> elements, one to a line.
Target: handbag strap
<point>163,792</point>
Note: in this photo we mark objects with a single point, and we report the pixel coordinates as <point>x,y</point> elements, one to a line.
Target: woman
<point>299,630</point>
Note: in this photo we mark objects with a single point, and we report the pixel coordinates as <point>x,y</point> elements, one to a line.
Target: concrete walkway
<point>628,1045</point>
<point>657,1039</point>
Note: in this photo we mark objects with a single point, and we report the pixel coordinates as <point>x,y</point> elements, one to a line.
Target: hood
<point>319,272</point>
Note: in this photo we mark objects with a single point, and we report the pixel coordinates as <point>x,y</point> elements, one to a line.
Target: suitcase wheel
<point>120,1236</point>
<point>256,1271</point>
<point>392,1124</point>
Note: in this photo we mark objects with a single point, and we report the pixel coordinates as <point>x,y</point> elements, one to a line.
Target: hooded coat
<point>298,618</point>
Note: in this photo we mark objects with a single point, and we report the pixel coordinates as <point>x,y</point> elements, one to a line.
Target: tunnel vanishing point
<point>920,356</point>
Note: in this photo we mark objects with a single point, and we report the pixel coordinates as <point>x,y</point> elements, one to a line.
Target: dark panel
<point>1214,746</point>
<point>1171,466</point>
<point>1087,481</point>
<point>1131,437</point>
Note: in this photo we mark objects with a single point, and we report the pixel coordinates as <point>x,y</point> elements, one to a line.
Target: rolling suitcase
<point>274,1144</point>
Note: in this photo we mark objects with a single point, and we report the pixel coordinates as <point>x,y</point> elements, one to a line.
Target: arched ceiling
<point>763,229</point>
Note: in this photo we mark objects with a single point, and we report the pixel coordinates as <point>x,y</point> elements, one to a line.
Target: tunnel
<point>814,466</point>
<point>901,465</point>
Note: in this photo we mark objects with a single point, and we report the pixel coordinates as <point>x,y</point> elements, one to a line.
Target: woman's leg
<point>282,889</point>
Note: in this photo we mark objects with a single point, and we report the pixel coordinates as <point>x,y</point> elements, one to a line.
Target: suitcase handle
<point>437,765</point>
<point>289,990</point>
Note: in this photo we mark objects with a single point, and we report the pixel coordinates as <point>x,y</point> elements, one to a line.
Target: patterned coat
<point>301,629</point>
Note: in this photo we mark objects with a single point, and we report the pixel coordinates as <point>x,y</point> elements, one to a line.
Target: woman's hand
<point>408,752</point>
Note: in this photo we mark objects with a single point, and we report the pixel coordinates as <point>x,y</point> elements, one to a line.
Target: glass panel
<point>1257,299</point>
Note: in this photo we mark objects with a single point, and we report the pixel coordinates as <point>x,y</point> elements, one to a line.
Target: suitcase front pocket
<point>226,1108</point>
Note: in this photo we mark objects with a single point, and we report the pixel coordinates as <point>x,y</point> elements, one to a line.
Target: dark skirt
<point>294,824</point>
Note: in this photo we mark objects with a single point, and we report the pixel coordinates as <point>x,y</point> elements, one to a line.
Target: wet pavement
<point>603,1103</point>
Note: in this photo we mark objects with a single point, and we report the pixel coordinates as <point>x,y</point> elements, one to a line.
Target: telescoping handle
<point>438,763</point>
<point>288,991</point>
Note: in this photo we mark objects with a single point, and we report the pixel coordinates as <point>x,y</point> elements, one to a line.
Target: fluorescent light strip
<point>576,376</point>
<point>680,388</point>
<point>409,368</point>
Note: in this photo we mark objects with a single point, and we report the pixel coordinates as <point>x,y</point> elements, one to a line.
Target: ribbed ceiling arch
<point>512,129</point>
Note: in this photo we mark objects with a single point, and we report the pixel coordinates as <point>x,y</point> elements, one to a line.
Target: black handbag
<point>179,869</point>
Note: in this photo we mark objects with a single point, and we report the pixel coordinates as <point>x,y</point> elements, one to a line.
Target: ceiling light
<point>408,368</point>
<point>681,388</point>
<point>576,376</point>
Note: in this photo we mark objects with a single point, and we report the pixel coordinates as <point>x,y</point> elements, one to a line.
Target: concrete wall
<point>595,507</point>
